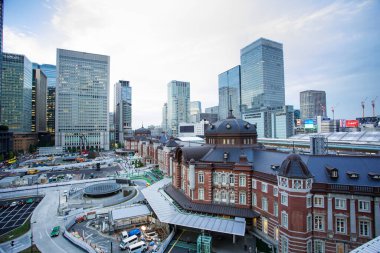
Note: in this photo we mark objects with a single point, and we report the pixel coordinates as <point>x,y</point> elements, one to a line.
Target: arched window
<point>232,179</point>
<point>224,181</point>
<point>224,196</point>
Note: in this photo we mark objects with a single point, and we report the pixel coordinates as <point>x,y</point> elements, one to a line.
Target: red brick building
<point>294,203</point>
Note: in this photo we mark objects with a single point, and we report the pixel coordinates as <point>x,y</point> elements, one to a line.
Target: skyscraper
<point>229,92</point>
<point>16,93</point>
<point>82,96</point>
<point>212,109</point>
<point>123,110</point>
<point>262,75</point>
<point>312,104</point>
<point>51,73</point>
<point>1,45</point>
<point>178,104</point>
<point>164,124</point>
<point>39,90</point>
<point>195,109</point>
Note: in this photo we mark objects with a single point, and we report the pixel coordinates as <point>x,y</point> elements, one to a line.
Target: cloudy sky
<point>328,45</point>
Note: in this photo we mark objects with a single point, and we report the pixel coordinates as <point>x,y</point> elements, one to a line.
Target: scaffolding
<point>204,244</point>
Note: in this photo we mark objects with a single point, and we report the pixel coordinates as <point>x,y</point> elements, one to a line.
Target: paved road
<point>21,243</point>
<point>45,216</point>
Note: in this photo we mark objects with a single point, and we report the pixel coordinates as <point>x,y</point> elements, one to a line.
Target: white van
<point>137,247</point>
<point>128,241</point>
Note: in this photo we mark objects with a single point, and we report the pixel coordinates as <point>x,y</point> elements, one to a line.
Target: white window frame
<point>319,223</point>
<point>317,243</point>
<point>264,204</point>
<point>223,179</point>
<point>297,184</point>
<point>309,222</point>
<point>284,219</point>
<point>254,183</point>
<point>264,187</point>
<point>242,180</point>
<point>275,191</point>
<point>361,224</point>
<point>340,204</point>
<point>232,197</point>
<point>309,201</point>
<point>284,199</point>
<point>275,208</point>
<point>340,225</point>
<point>322,201</point>
<point>201,178</point>
<point>284,244</point>
<point>364,206</point>
<point>241,194</point>
<point>201,194</point>
<point>309,246</point>
<point>254,200</point>
<point>276,233</point>
<point>231,179</point>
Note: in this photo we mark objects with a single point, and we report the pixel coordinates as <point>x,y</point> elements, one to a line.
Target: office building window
<point>242,180</point>
<point>264,187</point>
<point>364,228</point>
<point>275,191</point>
<point>264,222</point>
<point>319,223</point>
<point>275,209</point>
<point>284,219</point>
<point>308,201</point>
<point>284,199</point>
<point>319,246</point>
<point>364,206</point>
<point>201,194</point>
<point>309,222</point>
<point>200,178</point>
<point>254,183</point>
<point>284,245</point>
<point>319,201</point>
<point>242,198</point>
<point>254,199</point>
<point>264,204</point>
<point>340,204</point>
<point>340,225</point>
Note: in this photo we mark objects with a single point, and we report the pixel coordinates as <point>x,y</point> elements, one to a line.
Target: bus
<point>137,247</point>
<point>128,241</point>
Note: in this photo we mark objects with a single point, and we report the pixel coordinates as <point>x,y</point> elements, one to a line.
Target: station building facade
<point>294,203</point>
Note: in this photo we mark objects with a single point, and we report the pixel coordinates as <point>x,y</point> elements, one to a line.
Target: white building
<point>178,107</point>
<point>277,122</point>
<point>82,96</point>
<point>192,129</point>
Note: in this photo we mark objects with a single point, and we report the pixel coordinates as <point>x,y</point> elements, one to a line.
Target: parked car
<point>14,203</point>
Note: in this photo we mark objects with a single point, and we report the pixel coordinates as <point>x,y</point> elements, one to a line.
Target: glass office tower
<point>312,104</point>
<point>39,93</point>
<point>123,110</point>
<point>262,75</point>
<point>82,96</point>
<point>16,93</point>
<point>178,105</point>
<point>229,92</point>
<point>1,45</point>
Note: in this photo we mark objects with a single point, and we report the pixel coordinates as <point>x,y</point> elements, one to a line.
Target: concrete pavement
<point>20,243</point>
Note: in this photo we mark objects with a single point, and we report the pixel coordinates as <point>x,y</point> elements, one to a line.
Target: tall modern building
<point>51,74</point>
<point>229,92</point>
<point>178,104</point>
<point>16,93</point>
<point>312,104</point>
<point>195,109</point>
<point>164,123</point>
<point>39,99</point>
<point>82,96</point>
<point>123,110</point>
<point>262,75</point>
<point>1,45</point>
<point>212,109</point>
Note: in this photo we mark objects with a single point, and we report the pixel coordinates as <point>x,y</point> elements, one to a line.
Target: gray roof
<point>196,152</point>
<point>231,126</point>
<point>130,212</point>
<point>185,203</point>
<point>364,136</point>
<point>171,143</point>
<point>216,154</point>
<point>294,167</point>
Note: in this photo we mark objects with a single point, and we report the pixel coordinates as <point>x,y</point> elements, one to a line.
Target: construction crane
<point>333,110</point>
<point>373,106</point>
<point>363,104</point>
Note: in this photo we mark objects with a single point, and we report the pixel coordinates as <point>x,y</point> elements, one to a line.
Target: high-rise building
<point>1,45</point>
<point>82,96</point>
<point>195,109</point>
<point>274,122</point>
<point>262,75</point>
<point>312,104</point>
<point>39,99</point>
<point>229,92</point>
<point>16,93</point>
<point>112,128</point>
<point>178,104</point>
<point>212,109</point>
<point>123,110</point>
<point>164,124</point>
<point>51,74</point>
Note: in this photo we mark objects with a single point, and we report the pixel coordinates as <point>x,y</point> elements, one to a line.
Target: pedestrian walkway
<point>20,243</point>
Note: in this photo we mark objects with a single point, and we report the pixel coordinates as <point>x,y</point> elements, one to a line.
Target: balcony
<point>348,189</point>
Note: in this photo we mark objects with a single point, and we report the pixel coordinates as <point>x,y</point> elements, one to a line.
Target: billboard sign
<point>298,122</point>
<point>309,123</point>
<point>352,123</point>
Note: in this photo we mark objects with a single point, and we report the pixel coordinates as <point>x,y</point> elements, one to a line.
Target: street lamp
<point>59,201</point>
<point>31,236</point>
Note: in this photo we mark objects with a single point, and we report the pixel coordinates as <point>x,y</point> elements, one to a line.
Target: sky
<point>328,45</point>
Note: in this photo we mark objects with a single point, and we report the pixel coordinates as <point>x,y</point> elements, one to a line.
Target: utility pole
<point>373,106</point>
<point>363,105</point>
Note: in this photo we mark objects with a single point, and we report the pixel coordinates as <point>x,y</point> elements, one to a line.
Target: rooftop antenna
<point>363,104</point>
<point>230,115</point>
<point>333,110</point>
<point>373,106</point>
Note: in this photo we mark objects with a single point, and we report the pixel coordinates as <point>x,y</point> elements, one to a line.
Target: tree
<point>10,154</point>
